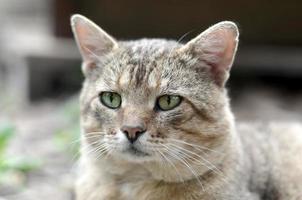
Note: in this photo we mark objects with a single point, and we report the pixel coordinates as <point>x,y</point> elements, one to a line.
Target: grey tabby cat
<point>157,124</point>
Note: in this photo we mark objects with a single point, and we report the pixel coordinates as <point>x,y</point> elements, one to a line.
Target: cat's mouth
<point>134,151</point>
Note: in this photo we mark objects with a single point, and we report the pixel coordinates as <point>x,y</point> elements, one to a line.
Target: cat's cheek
<point>90,124</point>
<point>104,117</point>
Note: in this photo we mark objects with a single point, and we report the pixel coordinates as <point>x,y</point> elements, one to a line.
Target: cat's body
<point>157,124</point>
<point>266,166</point>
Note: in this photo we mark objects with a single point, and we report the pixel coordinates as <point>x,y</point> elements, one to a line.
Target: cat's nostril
<point>126,132</point>
<point>133,133</point>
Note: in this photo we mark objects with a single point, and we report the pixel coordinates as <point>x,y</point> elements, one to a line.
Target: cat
<point>157,123</point>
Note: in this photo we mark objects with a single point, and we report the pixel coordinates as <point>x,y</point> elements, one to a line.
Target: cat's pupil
<point>111,98</point>
<point>168,100</point>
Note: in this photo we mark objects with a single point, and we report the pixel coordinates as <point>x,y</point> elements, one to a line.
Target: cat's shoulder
<point>282,133</point>
<point>269,127</point>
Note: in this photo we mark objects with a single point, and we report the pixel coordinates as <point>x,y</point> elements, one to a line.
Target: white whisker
<point>201,148</point>
<point>182,160</point>
<point>172,164</point>
<point>211,167</point>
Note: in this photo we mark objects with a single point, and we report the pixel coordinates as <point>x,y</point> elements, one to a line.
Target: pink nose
<point>133,132</point>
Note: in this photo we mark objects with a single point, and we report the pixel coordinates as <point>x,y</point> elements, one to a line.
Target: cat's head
<point>151,100</point>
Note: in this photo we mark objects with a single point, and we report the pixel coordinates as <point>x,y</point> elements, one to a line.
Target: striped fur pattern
<point>191,152</point>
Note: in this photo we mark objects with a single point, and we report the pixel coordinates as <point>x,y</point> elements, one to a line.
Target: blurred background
<point>40,75</point>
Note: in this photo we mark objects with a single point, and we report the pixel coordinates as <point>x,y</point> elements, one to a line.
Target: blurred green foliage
<point>13,169</point>
<point>6,133</point>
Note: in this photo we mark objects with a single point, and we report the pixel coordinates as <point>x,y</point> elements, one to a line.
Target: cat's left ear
<point>216,47</point>
<point>92,41</point>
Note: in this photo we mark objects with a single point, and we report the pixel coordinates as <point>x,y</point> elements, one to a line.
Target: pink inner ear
<point>81,30</point>
<point>92,40</point>
<point>86,36</point>
<point>229,51</point>
<point>217,49</point>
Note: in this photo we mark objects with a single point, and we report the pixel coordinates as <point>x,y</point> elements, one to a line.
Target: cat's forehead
<point>149,47</point>
<point>140,64</point>
<point>146,53</point>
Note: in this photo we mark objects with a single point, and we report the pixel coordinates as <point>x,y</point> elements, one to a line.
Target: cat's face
<point>155,100</point>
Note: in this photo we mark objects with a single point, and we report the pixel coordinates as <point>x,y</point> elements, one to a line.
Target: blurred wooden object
<point>269,60</point>
<point>40,68</point>
<point>34,64</point>
<point>261,22</point>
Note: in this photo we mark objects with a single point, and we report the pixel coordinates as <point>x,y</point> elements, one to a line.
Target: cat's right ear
<point>216,47</point>
<point>92,41</point>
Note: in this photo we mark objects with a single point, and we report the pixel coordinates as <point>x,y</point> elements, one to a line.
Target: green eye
<point>168,102</point>
<point>111,99</point>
